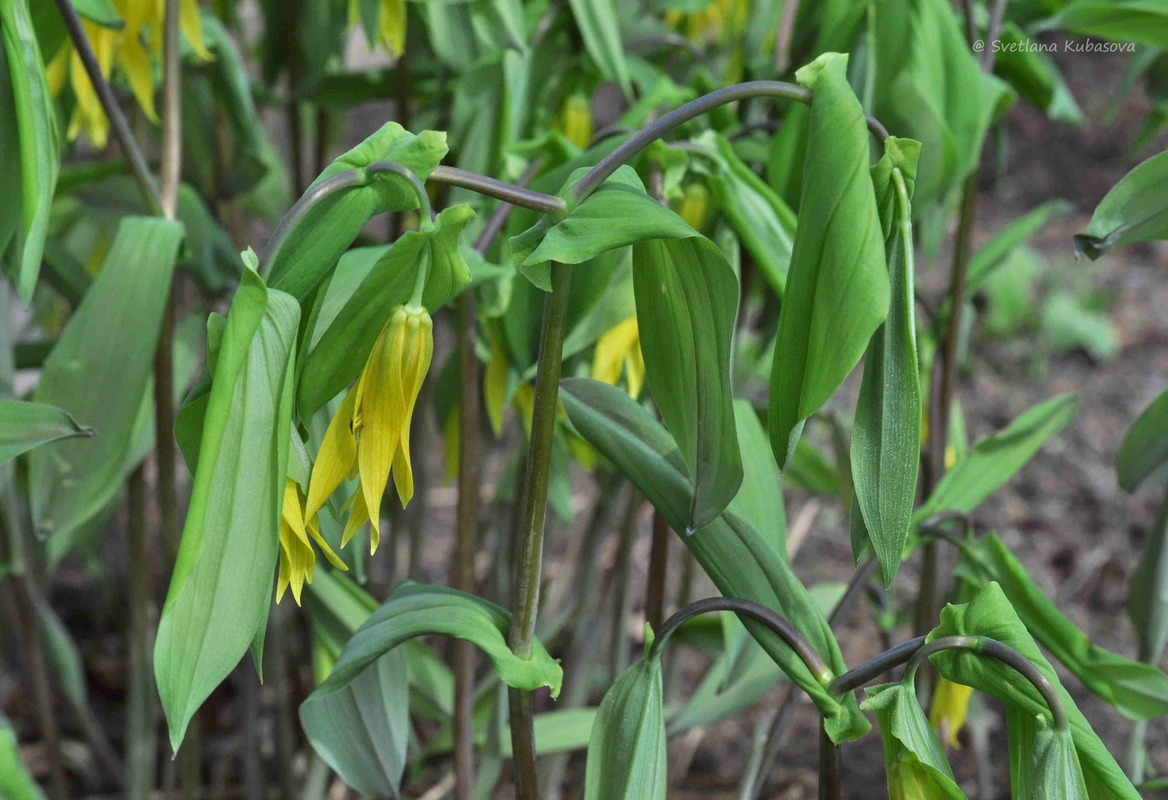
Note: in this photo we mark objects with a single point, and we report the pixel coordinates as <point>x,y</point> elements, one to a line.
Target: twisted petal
<point>419,351</point>
<point>337,455</point>
<point>297,558</point>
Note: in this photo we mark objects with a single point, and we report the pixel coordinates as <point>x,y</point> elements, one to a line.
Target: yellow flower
<point>297,558</point>
<point>713,22</point>
<point>143,20</point>
<point>391,24</point>
<point>620,346</point>
<point>575,120</point>
<point>369,436</point>
<point>694,204</point>
<point>950,706</point>
<point>908,780</point>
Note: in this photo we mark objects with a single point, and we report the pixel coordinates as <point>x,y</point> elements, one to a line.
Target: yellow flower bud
<point>297,558</point>
<point>694,205</point>
<point>950,706</point>
<point>575,120</point>
<point>620,346</point>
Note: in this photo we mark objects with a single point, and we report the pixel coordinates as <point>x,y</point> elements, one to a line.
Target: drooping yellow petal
<point>618,347</point>
<point>88,115</point>
<point>135,64</point>
<point>635,369</point>
<point>337,455</point>
<point>57,70</point>
<point>191,25</point>
<point>392,26</point>
<point>419,351</point>
<point>358,516</point>
<point>298,560</point>
<point>313,528</point>
<point>495,385</point>
<point>949,709</point>
<point>694,204</point>
<point>575,120</point>
<point>525,402</point>
<point>383,409</point>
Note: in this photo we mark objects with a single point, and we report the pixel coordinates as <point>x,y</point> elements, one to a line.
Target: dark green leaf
<point>24,426</point>
<point>1144,21</point>
<point>1135,210</point>
<point>1143,456</point>
<point>760,499</point>
<point>1147,602</point>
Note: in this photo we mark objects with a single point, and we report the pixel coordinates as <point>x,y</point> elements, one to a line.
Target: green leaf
<point>990,614</point>
<point>600,29</point>
<point>24,426</point>
<point>1144,21</point>
<point>1035,76</point>
<point>739,560</point>
<point>994,459</point>
<point>99,371</point>
<point>914,761</point>
<point>1137,690</point>
<point>1143,456</point>
<point>15,782</point>
<point>221,588</point>
<point>417,610</point>
<point>763,222</point>
<point>760,499</point>
<point>344,345</point>
<point>1043,762</point>
<point>627,753</point>
<point>837,288</point>
<point>1135,210</point>
<point>994,253</point>
<point>37,145</point>
<point>362,730</point>
<point>1147,602</point>
<point>310,248</point>
<point>886,438</point>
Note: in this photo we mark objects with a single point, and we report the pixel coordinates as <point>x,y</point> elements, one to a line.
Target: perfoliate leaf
<point>740,561</point>
<point>1137,690</point>
<point>99,371</point>
<point>308,250</point>
<point>886,438</point>
<point>990,614</point>
<point>994,459</point>
<point>1135,210</point>
<point>837,288</point>
<point>914,761</point>
<point>221,588</point>
<point>1143,456</point>
<point>1043,762</point>
<point>344,337</point>
<point>25,207</point>
<point>626,752</point>
<point>25,425</point>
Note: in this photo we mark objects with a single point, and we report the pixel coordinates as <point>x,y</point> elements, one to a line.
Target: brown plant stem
<point>658,570</point>
<point>529,536</point>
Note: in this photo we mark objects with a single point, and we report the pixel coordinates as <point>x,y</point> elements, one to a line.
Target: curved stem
<point>683,114</point>
<point>876,666</point>
<point>338,182</point>
<point>756,611</point>
<point>109,104</point>
<point>500,190</point>
<point>992,648</point>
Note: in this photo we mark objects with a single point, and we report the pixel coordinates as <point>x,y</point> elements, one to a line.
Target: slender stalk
<point>468,511</point>
<point>830,766</point>
<point>141,744</point>
<point>658,570</point>
<point>876,666</point>
<point>618,650</point>
<point>139,167</point>
<point>529,535</point>
<point>500,190</point>
<point>683,114</point>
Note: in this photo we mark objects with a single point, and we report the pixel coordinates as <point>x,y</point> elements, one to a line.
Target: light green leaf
<point>1144,21</point>
<point>914,761</point>
<point>99,371</point>
<point>344,345</point>
<point>886,438</point>
<point>990,614</point>
<point>15,782</point>
<point>739,560</point>
<point>600,28</point>
<point>1147,602</point>
<point>760,499</point>
<point>994,253</point>
<point>994,459</point>
<point>308,250</point>
<point>1035,76</point>
<point>1143,456</point>
<point>1043,763</point>
<point>1134,210</point>
<point>1137,690</point>
<point>627,753</point>
<point>37,146</point>
<point>221,588</point>
<point>837,288</point>
<point>25,425</point>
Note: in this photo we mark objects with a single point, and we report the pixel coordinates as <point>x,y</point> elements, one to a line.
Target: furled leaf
<point>344,337</point>
<point>1137,690</point>
<point>25,425</point>
<point>1043,762</point>
<point>914,761</point>
<point>600,28</point>
<point>315,241</point>
<point>1147,602</point>
<point>837,287</point>
<point>1134,210</point>
<point>990,614</point>
<point>1143,456</point>
<point>739,560</point>
<point>994,459</point>
<point>626,753</point>
<point>37,145</point>
<point>886,438</point>
<point>417,610</point>
<point>221,588</point>
<point>99,372</point>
